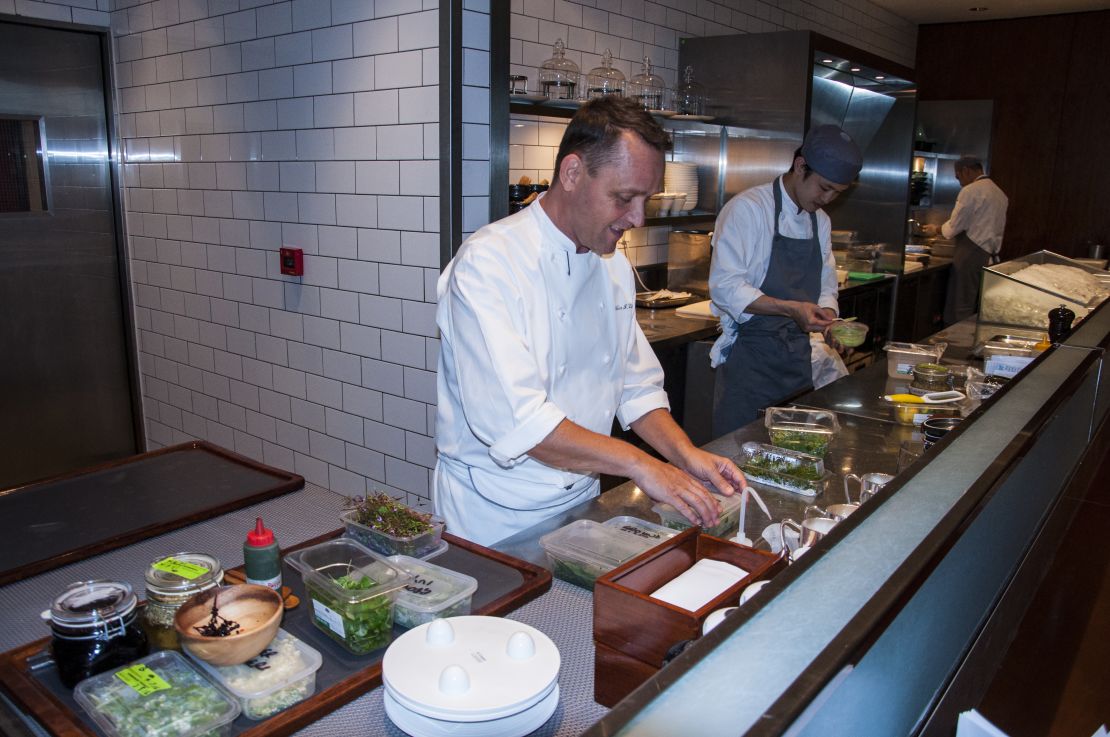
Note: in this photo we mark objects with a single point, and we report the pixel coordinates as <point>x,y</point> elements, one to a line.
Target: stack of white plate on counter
<point>679,176</point>
<point>471,677</point>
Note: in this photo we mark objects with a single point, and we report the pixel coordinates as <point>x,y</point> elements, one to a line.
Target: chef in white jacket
<point>540,349</point>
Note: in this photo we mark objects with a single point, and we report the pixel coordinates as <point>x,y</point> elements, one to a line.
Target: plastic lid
<point>648,532</point>
<point>591,542</point>
<point>260,536</point>
<point>728,504</point>
<point>184,572</point>
<point>269,671</point>
<point>137,699</point>
<point>432,587</point>
<point>87,603</point>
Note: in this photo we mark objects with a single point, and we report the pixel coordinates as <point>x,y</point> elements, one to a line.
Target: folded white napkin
<point>699,584</point>
<point>697,309</point>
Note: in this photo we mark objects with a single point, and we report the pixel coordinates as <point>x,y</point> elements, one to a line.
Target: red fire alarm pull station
<point>292,261</point>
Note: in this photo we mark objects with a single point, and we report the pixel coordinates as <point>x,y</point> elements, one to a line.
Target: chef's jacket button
<point>562,370</point>
<point>608,358</point>
<point>562,314</point>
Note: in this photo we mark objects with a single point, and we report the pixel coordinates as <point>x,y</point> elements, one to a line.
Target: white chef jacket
<point>531,332</point>
<point>742,255</point>
<point>980,211</point>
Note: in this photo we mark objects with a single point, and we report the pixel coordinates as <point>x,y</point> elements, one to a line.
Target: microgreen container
<point>786,469</point>
<point>584,549</point>
<point>902,357</point>
<point>352,590</point>
<point>414,546</point>
<point>727,521</point>
<point>161,695</point>
<point>281,675</point>
<point>804,430</point>
<point>434,592</point>
<point>651,533</point>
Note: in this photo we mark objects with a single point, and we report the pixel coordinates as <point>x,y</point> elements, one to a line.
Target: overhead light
<point>880,77</point>
<point>826,61</point>
<point>855,69</point>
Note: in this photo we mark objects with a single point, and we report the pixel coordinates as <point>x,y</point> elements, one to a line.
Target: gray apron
<point>770,359</point>
<point>962,298</point>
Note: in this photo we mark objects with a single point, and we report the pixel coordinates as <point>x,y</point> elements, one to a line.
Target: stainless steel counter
<point>665,328</point>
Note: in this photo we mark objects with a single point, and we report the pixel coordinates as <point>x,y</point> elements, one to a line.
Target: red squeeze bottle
<point>261,557</point>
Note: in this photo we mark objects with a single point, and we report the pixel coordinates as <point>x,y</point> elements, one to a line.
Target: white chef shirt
<point>980,211</point>
<point>742,255</point>
<point>531,332</point>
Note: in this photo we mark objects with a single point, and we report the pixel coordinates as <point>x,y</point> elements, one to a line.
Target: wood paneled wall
<point>1050,139</point>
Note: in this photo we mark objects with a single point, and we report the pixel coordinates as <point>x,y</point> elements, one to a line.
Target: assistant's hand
<point>930,230</point>
<point>666,483</point>
<point>811,318</point>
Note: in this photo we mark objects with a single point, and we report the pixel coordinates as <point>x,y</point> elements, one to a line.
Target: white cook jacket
<point>980,211</point>
<point>531,333</point>
<point>742,239</point>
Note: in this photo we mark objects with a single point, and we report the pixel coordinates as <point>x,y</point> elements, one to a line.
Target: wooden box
<point>633,632</point>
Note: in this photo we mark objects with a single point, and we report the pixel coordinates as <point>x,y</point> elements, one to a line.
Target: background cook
<point>540,348</point>
<point>773,278</point>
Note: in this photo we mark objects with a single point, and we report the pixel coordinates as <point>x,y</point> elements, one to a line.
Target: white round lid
<point>470,669</point>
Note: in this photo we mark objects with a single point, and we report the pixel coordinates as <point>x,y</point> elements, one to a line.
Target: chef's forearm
<point>574,448</point>
<point>659,430</point>
<point>766,305</point>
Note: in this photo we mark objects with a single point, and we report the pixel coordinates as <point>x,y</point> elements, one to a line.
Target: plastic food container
<point>930,377</point>
<point>850,334</point>
<point>161,695</point>
<point>584,549</point>
<point>281,675</point>
<point>913,413</point>
<point>434,592</point>
<point>352,590</point>
<point>804,430</point>
<point>416,546</point>
<point>727,521</point>
<point>785,469</point>
<point>651,533</point>
<point>902,357</point>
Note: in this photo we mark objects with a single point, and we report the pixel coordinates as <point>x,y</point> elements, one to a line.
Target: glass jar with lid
<point>559,75</point>
<point>94,629</point>
<point>170,582</point>
<point>930,377</point>
<point>689,98</point>
<point>606,79</point>
<point>648,88</point>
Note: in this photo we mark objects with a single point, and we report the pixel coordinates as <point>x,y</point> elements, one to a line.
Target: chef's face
<point>611,200</point>
<point>812,191</point>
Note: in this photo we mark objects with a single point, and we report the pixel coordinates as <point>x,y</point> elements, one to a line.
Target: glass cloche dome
<point>605,79</point>
<point>689,98</point>
<point>559,75</point>
<point>648,88</point>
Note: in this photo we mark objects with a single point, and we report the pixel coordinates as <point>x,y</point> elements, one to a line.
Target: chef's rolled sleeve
<point>736,259</point>
<point>502,394</point>
<point>643,385</point>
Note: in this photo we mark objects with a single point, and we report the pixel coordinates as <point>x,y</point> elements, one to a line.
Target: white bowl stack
<point>679,176</point>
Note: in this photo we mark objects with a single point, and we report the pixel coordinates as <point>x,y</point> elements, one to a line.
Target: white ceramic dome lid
<point>499,684</point>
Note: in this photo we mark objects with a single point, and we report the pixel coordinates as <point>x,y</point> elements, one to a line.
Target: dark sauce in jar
<point>96,628</point>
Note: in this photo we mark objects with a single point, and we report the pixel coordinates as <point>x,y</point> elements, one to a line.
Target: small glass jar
<point>95,629</point>
<point>559,75</point>
<point>606,79</point>
<point>518,84</point>
<point>930,377</point>
<point>167,590</point>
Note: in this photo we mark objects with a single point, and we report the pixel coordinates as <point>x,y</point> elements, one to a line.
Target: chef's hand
<point>714,470</point>
<point>811,318</point>
<point>666,483</point>
<point>930,230</point>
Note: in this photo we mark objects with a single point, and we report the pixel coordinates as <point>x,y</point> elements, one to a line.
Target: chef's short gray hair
<point>596,128</point>
<point>967,161</point>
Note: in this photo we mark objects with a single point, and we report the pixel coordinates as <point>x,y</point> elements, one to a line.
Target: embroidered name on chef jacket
<point>627,306</point>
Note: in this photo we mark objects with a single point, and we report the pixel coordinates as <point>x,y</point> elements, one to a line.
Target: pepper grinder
<point>1059,324</point>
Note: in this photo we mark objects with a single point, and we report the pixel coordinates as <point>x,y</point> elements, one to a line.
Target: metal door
<point>67,372</point>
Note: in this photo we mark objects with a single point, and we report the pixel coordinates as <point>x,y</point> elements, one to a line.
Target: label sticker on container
<point>906,369</point>
<point>330,617</point>
<point>143,680</point>
<point>921,417</point>
<point>180,568</point>
<point>1008,366</point>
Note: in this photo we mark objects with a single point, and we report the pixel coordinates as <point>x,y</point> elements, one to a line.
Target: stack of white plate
<point>471,677</point>
<point>679,176</point>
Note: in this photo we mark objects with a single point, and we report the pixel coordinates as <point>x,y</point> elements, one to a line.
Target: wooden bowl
<point>257,609</point>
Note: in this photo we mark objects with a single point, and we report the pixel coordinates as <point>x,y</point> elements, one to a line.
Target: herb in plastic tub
<point>805,430</point>
<point>434,592</point>
<point>785,469</point>
<point>352,591</point>
<point>388,527</point>
<point>727,521</point>
<point>281,675</point>
<point>584,549</point>
<point>161,695</point>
